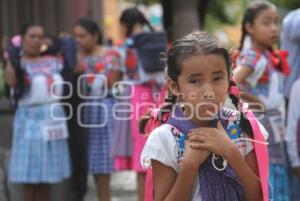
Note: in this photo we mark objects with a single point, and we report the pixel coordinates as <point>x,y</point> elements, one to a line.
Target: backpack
<point>149,46</point>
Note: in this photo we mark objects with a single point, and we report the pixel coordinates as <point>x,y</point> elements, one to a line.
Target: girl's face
<point>202,85</point>
<point>85,39</point>
<point>32,40</point>
<point>265,28</point>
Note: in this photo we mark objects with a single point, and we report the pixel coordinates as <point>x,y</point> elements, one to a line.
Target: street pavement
<point>123,186</point>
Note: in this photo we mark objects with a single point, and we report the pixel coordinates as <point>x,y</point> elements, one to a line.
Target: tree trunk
<point>202,10</point>
<point>168,17</point>
<point>185,17</point>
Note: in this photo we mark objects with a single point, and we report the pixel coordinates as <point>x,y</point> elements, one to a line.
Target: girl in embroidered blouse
<point>38,159</point>
<point>181,150</point>
<point>260,72</point>
<point>102,67</point>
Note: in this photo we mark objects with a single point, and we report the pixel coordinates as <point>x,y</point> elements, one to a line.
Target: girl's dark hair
<point>14,54</point>
<point>91,26</point>
<point>197,43</point>
<point>54,48</point>
<point>26,27</point>
<point>132,16</point>
<point>252,11</point>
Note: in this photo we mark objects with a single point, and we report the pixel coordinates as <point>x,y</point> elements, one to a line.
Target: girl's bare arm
<point>169,186</point>
<point>10,76</point>
<point>172,186</point>
<point>240,75</point>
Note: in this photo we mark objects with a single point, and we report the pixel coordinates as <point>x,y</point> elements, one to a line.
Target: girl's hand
<point>214,140</point>
<point>194,157</point>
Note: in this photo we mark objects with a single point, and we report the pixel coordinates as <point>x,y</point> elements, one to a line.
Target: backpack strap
<point>262,155</point>
<point>149,187</point>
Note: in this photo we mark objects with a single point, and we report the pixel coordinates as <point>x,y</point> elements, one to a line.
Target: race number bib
<point>277,126</point>
<point>54,130</point>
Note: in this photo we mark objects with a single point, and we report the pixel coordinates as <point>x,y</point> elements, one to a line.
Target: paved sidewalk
<point>123,187</point>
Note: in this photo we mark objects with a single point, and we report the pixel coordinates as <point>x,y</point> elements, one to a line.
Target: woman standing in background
<point>100,68</point>
<point>38,157</point>
<point>147,87</point>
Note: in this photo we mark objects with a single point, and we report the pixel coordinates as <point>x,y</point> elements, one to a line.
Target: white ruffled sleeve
<point>160,146</point>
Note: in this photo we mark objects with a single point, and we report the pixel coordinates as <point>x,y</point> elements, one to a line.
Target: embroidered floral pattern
<point>250,58</point>
<point>104,65</point>
<point>131,64</point>
<point>180,140</point>
<point>233,129</point>
<point>47,66</point>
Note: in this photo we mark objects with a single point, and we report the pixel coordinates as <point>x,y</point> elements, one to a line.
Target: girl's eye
<point>267,22</point>
<point>195,81</point>
<point>218,78</point>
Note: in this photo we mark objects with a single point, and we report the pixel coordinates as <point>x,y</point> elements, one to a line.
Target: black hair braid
<point>166,108</point>
<point>170,100</point>
<point>244,123</point>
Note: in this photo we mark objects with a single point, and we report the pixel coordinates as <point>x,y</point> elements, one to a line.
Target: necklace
<point>234,132</point>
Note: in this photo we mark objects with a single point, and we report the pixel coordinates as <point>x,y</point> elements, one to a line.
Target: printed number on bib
<point>54,130</point>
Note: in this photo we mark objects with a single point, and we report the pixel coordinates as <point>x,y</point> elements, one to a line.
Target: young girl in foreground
<point>188,153</point>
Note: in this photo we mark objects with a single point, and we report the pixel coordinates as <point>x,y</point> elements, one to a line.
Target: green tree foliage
<point>146,2</point>
<point>225,11</point>
<point>210,14</point>
<point>287,4</point>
